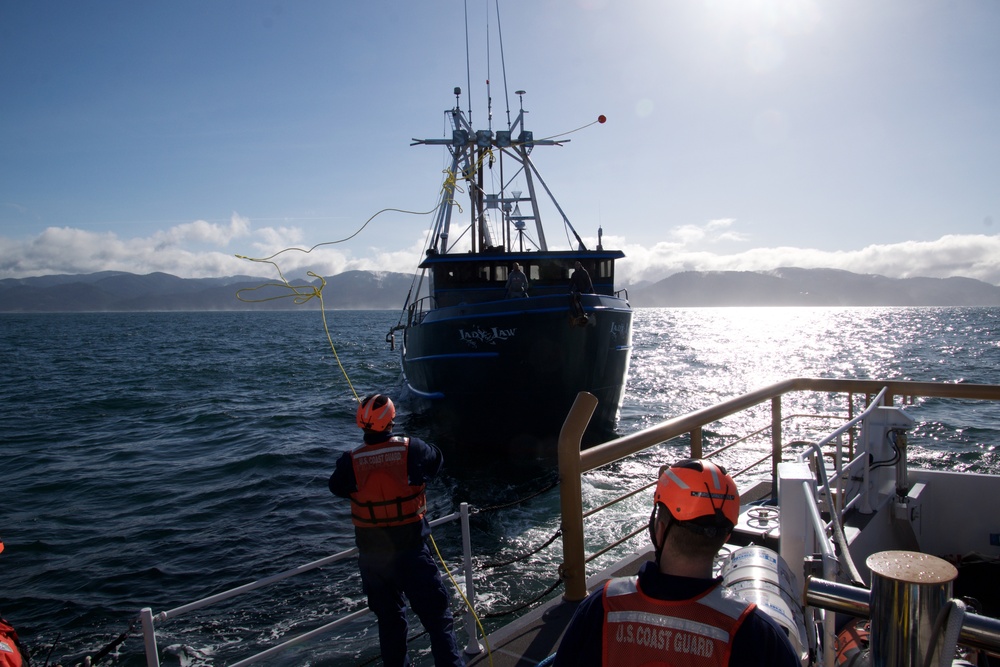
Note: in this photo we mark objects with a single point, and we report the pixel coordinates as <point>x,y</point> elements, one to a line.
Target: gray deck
<point>535,636</point>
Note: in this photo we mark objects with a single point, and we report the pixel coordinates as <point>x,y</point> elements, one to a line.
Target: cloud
<point>202,232</point>
<point>202,249</point>
<point>971,256</point>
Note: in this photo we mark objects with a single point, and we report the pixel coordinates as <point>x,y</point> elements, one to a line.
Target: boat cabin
<point>477,278</point>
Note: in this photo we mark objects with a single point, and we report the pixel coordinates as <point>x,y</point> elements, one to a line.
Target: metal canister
<point>909,592</point>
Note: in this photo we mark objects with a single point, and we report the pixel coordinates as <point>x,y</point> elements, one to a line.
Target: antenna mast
<point>503,65</point>
<point>468,64</point>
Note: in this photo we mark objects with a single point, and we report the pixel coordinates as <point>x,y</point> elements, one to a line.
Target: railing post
<point>696,442</point>
<point>473,647</point>
<point>574,570</point>
<point>775,443</point>
<point>149,637</point>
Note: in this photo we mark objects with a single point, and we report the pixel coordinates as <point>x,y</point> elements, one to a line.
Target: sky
<point>185,136</point>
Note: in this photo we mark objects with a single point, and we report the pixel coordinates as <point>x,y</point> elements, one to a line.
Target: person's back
<point>674,612</point>
<point>385,479</point>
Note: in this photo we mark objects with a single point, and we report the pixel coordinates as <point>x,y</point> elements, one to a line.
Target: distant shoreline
<point>367,290</point>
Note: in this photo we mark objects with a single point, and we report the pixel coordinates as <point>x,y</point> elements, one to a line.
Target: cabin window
<point>551,271</point>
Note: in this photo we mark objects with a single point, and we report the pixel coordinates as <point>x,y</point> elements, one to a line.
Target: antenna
<point>489,96</point>
<point>468,66</point>
<point>503,66</point>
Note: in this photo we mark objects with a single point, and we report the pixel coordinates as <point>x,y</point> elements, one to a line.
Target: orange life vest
<point>643,631</point>
<point>10,653</point>
<point>385,496</point>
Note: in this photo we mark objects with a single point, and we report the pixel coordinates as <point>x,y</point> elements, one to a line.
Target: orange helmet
<point>376,413</point>
<point>698,491</point>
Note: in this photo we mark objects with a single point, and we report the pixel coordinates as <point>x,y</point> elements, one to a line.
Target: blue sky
<point>741,134</point>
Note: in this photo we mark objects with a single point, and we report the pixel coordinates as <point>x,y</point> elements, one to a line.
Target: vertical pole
<point>149,637</point>
<point>775,444</point>
<point>473,647</point>
<point>696,442</point>
<point>909,591</point>
<point>574,570</point>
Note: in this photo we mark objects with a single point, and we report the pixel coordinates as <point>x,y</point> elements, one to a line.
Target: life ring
<point>851,646</point>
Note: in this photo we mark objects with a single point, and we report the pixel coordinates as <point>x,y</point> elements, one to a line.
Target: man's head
<point>376,414</point>
<point>700,501</point>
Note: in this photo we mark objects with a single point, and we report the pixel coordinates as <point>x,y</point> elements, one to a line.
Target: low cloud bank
<point>203,249</point>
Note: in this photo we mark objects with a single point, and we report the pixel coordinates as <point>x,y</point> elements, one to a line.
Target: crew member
<point>385,480</point>
<point>517,283</point>
<point>675,612</point>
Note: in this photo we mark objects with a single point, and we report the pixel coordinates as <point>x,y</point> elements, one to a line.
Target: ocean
<point>153,459</point>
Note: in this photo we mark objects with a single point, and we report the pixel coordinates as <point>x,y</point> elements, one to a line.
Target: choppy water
<point>152,459</point>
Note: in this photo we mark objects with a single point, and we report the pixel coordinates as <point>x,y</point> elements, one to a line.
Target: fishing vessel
<point>487,352</point>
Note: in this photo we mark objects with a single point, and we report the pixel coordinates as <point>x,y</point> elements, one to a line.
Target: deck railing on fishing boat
<point>148,618</point>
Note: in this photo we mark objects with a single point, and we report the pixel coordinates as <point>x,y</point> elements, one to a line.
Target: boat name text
<point>476,336</point>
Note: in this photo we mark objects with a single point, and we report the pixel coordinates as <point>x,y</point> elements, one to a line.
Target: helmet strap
<point>658,547</point>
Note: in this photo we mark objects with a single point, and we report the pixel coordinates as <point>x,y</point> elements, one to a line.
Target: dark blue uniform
<point>395,561</point>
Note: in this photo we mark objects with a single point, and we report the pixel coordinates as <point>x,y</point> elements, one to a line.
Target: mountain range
<point>368,290</point>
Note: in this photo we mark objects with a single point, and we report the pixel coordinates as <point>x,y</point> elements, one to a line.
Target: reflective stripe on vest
<point>10,652</point>
<point>384,496</point>
<point>641,630</point>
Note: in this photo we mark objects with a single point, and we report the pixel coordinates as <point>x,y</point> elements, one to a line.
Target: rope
<point>303,293</point>
<point>501,506</point>
<point>110,647</point>
<point>468,604</point>
<point>529,603</point>
<point>491,566</point>
<point>600,119</point>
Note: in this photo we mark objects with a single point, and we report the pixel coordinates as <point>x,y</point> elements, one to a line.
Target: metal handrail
<point>573,462</point>
<point>148,618</point>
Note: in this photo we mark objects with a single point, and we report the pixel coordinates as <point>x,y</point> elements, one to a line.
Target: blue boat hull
<point>511,369</point>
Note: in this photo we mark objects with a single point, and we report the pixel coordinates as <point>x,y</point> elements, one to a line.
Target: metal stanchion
<point>909,591</point>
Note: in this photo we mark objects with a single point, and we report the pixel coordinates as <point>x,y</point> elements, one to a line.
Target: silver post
<point>473,647</point>
<point>149,637</point>
<point>909,591</point>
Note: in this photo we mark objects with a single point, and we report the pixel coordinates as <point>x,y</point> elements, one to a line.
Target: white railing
<point>148,618</point>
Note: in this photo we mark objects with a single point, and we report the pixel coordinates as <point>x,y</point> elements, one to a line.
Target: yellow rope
<point>468,604</point>
<point>303,293</point>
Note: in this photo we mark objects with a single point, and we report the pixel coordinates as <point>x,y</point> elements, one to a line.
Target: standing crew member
<point>674,612</point>
<point>517,283</point>
<point>580,281</point>
<point>385,479</point>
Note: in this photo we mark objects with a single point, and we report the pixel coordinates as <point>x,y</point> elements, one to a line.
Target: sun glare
<point>762,27</point>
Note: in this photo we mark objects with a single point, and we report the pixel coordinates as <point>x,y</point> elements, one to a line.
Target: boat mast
<point>472,152</point>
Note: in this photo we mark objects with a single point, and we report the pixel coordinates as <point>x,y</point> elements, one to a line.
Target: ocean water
<point>153,459</point>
